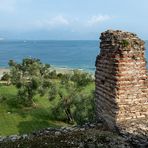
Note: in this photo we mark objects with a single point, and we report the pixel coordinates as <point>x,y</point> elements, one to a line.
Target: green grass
<point>15,119</point>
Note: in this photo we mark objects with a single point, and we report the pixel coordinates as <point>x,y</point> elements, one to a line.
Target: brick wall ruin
<point>121,78</point>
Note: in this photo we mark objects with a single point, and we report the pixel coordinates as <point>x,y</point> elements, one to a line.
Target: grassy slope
<point>16,120</point>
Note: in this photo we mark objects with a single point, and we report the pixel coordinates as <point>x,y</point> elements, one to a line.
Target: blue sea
<point>67,54</point>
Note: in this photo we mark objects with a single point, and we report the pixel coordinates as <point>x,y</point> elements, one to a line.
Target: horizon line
<point>52,40</point>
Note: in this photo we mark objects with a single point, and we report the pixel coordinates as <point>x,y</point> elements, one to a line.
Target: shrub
<point>124,43</point>
<point>73,104</point>
<point>30,77</point>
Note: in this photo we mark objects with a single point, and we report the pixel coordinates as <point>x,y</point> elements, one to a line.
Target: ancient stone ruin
<point>121,80</point>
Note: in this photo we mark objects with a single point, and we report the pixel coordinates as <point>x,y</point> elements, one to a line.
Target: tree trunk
<point>69,115</point>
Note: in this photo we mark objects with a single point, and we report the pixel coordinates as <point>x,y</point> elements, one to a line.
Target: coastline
<point>2,70</point>
<point>62,70</point>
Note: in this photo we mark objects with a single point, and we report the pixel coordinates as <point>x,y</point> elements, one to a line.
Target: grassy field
<point>18,120</point>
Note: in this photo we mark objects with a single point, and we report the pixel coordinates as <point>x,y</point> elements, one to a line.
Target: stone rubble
<point>90,135</point>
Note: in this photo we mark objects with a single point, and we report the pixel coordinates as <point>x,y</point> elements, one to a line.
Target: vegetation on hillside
<point>38,97</point>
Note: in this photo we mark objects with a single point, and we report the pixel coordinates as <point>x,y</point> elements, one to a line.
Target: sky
<point>71,19</point>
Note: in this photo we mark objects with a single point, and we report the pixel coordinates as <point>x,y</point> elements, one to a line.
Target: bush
<point>124,43</point>
<point>73,103</point>
<point>81,78</point>
<point>30,77</point>
<point>83,108</point>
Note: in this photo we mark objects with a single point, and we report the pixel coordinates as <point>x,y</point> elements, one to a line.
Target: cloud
<point>73,24</point>
<point>54,22</point>
<point>7,5</point>
<point>58,20</point>
<point>95,20</point>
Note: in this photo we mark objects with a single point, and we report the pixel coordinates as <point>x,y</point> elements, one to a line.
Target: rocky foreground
<point>86,136</point>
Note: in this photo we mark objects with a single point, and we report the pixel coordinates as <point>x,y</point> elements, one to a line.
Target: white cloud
<point>58,20</point>
<point>72,23</point>
<point>54,22</point>
<point>95,20</point>
<point>7,5</point>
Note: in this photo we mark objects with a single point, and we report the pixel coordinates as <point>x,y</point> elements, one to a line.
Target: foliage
<point>30,77</point>
<point>83,108</point>
<point>81,79</point>
<point>73,104</point>
<point>16,119</point>
<point>124,43</point>
<point>70,97</point>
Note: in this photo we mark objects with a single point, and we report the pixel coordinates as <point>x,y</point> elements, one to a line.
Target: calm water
<point>70,54</point>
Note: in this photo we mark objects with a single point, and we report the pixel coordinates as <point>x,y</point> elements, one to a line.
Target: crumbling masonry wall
<point>121,78</point>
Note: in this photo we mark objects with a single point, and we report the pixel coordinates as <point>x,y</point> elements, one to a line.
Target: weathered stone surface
<point>88,135</point>
<point>122,82</point>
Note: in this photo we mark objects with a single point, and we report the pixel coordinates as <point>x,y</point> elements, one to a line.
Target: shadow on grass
<point>40,118</point>
<point>12,102</point>
<point>33,125</point>
<point>36,113</point>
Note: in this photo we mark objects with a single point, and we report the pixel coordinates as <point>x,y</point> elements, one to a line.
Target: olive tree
<point>30,76</point>
<point>73,104</point>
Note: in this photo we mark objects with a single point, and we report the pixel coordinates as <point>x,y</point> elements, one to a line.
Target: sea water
<point>67,54</point>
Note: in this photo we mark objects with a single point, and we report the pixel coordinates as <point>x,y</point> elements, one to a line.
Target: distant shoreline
<point>62,70</point>
<point>2,70</point>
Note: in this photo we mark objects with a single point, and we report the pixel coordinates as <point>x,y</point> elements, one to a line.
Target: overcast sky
<point>71,19</point>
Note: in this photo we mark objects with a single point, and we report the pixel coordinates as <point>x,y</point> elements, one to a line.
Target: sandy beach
<point>58,70</point>
<point>62,70</point>
<point>2,70</point>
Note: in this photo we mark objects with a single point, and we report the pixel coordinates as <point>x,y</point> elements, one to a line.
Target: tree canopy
<point>29,77</point>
